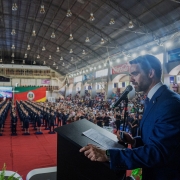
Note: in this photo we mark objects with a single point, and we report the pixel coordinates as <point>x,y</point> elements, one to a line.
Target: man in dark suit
<point>157,150</point>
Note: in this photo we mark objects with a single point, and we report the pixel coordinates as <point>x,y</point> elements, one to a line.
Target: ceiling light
<point>87,39</point>
<point>61,58</point>
<point>54,64</point>
<point>130,25</point>
<point>168,44</point>
<point>44,63</point>
<point>110,63</point>
<point>34,62</point>
<point>104,64</point>
<point>71,51</point>
<point>72,58</point>
<point>14,7</point>
<point>117,60</point>
<point>34,33</point>
<point>23,61</point>
<point>112,21</point>
<point>70,37</point>
<point>13,32</point>
<point>92,18</point>
<point>134,55</point>
<point>43,48</point>
<point>83,52</point>
<point>50,57</point>
<point>94,68</point>
<point>86,70</point>
<point>143,52</point>
<point>154,49</point>
<point>38,56</point>
<point>25,55</point>
<point>12,61</point>
<point>53,35</point>
<point>12,55</point>
<point>69,13</point>
<point>80,72</point>
<point>125,58</point>
<point>99,66</point>
<point>63,64</point>
<point>56,67</point>
<point>13,47</point>
<point>28,47</point>
<point>102,41</point>
<point>42,10</point>
<point>57,50</point>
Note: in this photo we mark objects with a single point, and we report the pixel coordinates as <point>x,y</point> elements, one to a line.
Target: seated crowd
<point>50,115</point>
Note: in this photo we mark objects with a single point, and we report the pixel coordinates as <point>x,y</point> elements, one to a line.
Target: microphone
<point>123,95</point>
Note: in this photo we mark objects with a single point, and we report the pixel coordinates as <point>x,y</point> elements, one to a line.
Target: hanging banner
<point>45,81</point>
<point>36,93</point>
<point>88,76</point>
<point>120,68</point>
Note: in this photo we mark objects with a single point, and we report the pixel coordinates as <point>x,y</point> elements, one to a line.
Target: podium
<point>73,165</point>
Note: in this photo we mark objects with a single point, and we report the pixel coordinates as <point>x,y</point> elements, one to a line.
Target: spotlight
<point>130,25</point>
<point>42,10</point>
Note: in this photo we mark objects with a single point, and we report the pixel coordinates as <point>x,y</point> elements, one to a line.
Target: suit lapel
<point>152,102</point>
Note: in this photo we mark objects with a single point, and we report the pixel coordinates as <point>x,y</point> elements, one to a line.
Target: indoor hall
<point>65,61</point>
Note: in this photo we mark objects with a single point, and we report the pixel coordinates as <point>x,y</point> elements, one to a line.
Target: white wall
<point>5,83</point>
<point>52,94</point>
<point>14,81</point>
<point>28,82</point>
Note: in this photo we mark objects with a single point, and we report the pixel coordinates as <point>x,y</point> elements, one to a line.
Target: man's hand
<point>94,153</point>
<point>128,138</point>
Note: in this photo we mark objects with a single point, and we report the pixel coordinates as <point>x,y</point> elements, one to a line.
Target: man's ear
<point>151,73</point>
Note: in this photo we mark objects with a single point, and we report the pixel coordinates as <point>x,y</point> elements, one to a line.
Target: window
<point>115,85</point>
<point>100,86</point>
<point>101,73</point>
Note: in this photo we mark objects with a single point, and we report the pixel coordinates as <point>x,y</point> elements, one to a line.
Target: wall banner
<point>120,68</point>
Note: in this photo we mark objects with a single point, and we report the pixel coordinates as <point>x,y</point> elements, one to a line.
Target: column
<point>93,90</point>
<point>82,93</point>
<point>74,90</point>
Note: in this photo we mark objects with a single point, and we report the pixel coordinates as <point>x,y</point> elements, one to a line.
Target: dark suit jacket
<point>157,151</point>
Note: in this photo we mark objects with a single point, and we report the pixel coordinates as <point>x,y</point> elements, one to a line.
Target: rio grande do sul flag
<point>35,93</point>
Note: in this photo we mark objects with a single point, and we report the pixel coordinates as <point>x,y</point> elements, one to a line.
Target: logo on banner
<point>30,95</point>
<point>120,68</point>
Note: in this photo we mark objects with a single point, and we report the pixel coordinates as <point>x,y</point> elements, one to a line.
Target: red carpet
<point>25,153</point>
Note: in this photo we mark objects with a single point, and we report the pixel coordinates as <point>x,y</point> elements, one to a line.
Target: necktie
<point>146,103</point>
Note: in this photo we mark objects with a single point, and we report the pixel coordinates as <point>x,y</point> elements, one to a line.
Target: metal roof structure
<point>94,30</point>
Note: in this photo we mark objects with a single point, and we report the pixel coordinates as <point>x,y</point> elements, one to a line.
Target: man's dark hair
<point>148,62</point>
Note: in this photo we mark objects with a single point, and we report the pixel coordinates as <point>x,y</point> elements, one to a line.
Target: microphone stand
<point>125,113</point>
<point>124,121</point>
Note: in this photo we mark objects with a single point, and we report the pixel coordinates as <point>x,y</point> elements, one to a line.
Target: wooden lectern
<point>73,165</point>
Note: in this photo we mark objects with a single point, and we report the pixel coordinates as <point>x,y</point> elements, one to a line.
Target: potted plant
<point>137,173</point>
<point>9,175</point>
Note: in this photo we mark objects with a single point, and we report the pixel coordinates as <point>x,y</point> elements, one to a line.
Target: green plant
<point>3,176</point>
<point>137,173</point>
